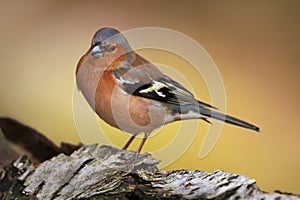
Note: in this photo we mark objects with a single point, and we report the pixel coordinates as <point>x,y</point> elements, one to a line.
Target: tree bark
<point>104,172</point>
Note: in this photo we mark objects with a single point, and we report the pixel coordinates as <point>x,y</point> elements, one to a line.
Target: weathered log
<point>104,172</point>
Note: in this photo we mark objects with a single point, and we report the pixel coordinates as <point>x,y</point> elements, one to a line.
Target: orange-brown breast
<point>105,88</point>
<point>132,114</point>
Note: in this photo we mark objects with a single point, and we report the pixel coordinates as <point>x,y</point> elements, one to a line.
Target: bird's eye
<point>113,48</point>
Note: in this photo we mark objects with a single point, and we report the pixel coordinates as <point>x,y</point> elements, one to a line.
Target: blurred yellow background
<point>255,44</point>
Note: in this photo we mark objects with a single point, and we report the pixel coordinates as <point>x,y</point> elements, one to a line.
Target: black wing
<point>148,82</point>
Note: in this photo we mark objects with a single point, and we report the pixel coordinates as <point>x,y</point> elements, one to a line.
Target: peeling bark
<point>104,172</point>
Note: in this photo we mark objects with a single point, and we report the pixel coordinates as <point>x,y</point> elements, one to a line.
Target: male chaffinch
<point>130,93</point>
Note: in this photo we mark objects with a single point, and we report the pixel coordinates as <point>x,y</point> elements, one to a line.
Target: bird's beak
<point>97,51</point>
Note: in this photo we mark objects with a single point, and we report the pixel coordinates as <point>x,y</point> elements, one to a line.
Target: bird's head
<point>110,44</point>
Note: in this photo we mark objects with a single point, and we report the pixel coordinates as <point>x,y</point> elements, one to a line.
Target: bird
<point>130,93</point>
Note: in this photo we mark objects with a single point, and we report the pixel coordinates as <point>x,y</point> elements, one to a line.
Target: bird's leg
<point>139,148</point>
<point>129,142</point>
<point>142,143</point>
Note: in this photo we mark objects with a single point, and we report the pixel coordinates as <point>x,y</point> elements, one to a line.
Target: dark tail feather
<point>228,119</point>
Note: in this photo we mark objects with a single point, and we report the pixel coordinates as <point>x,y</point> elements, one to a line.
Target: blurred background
<point>255,44</point>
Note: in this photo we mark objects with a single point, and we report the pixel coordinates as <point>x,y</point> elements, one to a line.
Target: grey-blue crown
<point>109,35</point>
